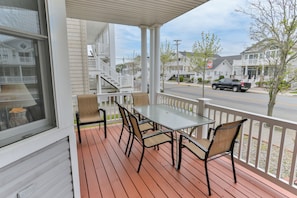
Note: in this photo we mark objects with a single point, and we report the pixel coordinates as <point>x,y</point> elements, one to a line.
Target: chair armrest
<point>156,133</point>
<point>209,131</point>
<point>192,140</point>
<point>144,121</point>
<point>103,111</point>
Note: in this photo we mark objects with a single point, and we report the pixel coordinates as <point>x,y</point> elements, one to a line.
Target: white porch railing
<point>267,146</point>
<point>110,74</point>
<point>249,62</point>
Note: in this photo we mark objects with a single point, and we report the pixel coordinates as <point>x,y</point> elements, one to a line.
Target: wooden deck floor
<point>105,171</point>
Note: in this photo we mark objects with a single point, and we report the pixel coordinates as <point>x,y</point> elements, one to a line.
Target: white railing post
<point>203,112</point>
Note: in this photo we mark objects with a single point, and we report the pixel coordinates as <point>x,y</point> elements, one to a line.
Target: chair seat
<point>196,150</point>
<point>145,127</point>
<point>89,119</point>
<point>156,140</point>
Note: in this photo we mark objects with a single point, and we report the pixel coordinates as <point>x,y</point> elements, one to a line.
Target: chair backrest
<point>224,137</point>
<point>87,105</point>
<point>123,111</point>
<point>135,126</point>
<point>140,99</point>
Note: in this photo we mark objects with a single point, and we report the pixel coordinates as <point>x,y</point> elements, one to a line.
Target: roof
<point>130,12</point>
<point>219,59</point>
<point>231,58</point>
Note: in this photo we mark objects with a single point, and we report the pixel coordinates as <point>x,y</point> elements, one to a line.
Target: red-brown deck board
<point>105,171</point>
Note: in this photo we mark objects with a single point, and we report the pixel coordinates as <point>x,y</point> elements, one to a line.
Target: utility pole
<point>177,42</point>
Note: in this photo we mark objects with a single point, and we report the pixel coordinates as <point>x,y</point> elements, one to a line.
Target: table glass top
<point>172,118</point>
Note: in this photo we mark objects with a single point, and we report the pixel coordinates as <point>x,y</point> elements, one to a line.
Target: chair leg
<point>140,162</point>
<point>105,133</point>
<point>207,179</point>
<point>179,152</point>
<point>131,147</point>
<point>78,130</point>
<point>233,167</point>
<point>172,151</point>
<point>128,143</point>
<point>121,133</point>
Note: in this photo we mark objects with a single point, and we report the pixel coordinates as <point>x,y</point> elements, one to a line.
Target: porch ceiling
<point>130,12</point>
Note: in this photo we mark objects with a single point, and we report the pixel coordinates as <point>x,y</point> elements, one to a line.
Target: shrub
<point>181,79</point>
<point>221,77</point>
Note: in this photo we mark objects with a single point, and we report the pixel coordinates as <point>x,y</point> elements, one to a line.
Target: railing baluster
<point>268,155</point>
<point>293,163</point>
<point>281,154</point>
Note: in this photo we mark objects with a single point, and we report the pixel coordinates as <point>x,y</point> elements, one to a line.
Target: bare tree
<point>135,63</point>
<point>203,51</point>
<point>274,24</point>
<point>166,52</point>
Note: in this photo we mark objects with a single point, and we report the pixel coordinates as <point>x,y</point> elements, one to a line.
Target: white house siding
<point>223,69</point>
<point>45,173</point>
<point>59,142</point>
<point>78,57</point>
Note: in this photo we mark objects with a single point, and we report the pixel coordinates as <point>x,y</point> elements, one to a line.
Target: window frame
<point>41,48</point>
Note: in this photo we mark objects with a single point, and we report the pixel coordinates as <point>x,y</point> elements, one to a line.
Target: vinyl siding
<point>46,173</point>
<point>77,46</point>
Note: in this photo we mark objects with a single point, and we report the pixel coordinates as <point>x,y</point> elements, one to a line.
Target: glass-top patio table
<point>172,118</point>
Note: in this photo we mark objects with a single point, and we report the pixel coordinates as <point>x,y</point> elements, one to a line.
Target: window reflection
<point>19,18</point>
<point>20,89</point>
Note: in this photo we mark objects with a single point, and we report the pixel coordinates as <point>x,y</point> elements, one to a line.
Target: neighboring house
<point>219,66</point>
<point>254,63</point>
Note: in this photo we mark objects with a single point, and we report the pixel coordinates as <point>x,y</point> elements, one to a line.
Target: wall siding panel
<point>46,173</point>
<point>77,48</point>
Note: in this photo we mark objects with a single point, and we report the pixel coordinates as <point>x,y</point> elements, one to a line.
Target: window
<point>26,100</point>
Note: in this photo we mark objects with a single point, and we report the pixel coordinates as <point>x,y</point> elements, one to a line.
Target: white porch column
<point>203,112</point>
<point>98,83</point>
<point>112,56</point>
<point>152,66</point>
<point>98,75</point>
<point>144,72</point>
<point>156,77</point>
<point>157,62</point>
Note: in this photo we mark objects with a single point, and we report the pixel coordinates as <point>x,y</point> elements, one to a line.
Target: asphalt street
<point>254,100</point>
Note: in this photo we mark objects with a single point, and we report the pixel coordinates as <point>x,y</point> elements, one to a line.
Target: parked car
<point>234,84</point>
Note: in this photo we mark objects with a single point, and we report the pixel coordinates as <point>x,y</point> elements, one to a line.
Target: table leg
<point>177,134</point>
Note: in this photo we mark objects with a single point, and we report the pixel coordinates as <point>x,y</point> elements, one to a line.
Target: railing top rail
<point>254,116</point>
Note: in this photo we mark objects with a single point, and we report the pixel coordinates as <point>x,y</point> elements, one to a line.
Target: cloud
<point>215,16</point>
<point>128,40</point>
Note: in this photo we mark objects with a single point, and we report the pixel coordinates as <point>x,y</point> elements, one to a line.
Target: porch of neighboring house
<point>105,171</point>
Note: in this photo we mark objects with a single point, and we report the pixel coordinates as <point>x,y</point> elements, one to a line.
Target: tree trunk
<point>271,103</point>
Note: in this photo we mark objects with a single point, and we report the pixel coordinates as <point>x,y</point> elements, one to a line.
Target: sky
<point>216,17</point>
